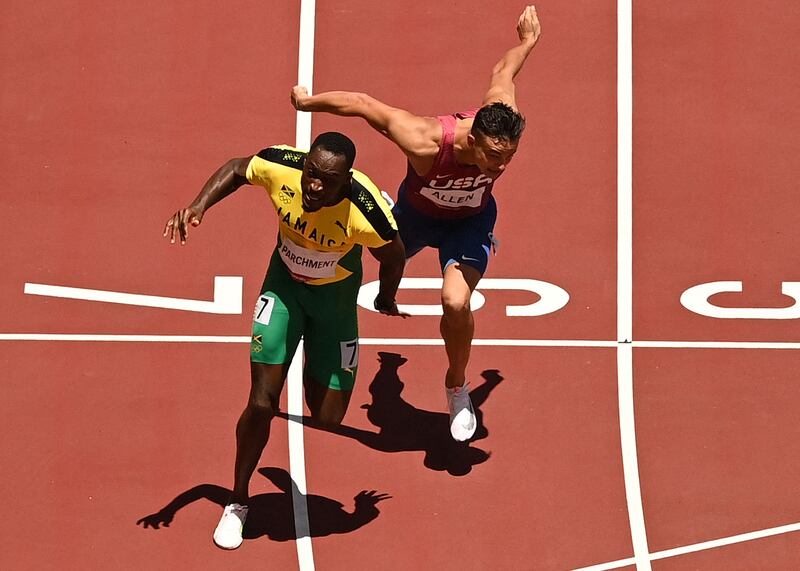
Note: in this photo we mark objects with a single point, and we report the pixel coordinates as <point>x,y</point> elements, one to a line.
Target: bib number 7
<point>263,310</point>
<point>349,351</point>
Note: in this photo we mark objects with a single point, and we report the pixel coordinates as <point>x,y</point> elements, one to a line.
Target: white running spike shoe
<point>462,416</point>
<point>228,534</point>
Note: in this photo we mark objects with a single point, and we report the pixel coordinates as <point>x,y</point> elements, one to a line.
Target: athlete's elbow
<point>501,68</point>
<point>237,168</point>
<point>502,74</point>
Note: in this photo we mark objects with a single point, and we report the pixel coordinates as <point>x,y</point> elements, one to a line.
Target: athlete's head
<point>326,173</point>
<point>494,137</point>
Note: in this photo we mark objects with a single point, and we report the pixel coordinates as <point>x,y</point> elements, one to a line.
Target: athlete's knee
<point>265,389</point>
<point>263,409</point>
<point>455,305</point>
<point>329,418</point>
<point>262,402</point>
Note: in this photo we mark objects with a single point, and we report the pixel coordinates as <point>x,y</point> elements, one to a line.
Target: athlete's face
<point>324,180</point>
<point>492,155</point>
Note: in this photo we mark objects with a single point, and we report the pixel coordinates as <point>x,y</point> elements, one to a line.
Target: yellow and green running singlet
<point>315,272</point>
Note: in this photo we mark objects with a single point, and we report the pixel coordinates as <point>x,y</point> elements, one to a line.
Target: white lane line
<point>297,463</point>
<point>703,546</point>
<point>305,69</point>
<point>630,464</point>
<point>297,467</point>
<point>624,171</point>
<point>609,565</point>
<point>633,495</point>
<point>726,541</point>
<point>413,342</point>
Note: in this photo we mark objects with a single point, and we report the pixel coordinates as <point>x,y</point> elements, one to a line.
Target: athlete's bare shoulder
<point>428,136</point>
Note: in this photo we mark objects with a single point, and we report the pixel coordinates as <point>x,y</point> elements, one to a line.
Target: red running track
<point>115,115</point>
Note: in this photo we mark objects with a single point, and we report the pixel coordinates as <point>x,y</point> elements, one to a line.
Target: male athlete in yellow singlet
<point>326,212</point>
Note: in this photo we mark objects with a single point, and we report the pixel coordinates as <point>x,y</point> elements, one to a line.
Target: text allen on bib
<point>448,198</point>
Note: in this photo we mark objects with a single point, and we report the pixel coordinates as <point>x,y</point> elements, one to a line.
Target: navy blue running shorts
<point>461,240</point>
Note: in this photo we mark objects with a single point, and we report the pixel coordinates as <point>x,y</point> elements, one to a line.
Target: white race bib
<point>447,198</point>
<point>263,310</point>
<point>308,263</point>
<point>349,353</point>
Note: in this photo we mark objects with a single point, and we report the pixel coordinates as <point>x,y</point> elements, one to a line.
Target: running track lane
<point>51,257</point>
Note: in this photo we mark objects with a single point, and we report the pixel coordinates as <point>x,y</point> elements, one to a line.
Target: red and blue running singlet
<point>449,189</point>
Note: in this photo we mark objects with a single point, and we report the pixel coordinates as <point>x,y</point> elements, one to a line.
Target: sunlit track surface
<point>662,232</point>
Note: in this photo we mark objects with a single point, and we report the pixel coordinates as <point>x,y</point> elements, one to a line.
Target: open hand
<point>180,222</point>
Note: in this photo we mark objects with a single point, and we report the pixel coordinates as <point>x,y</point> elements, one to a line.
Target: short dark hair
<point>337,144</point>
<point>499,121</point>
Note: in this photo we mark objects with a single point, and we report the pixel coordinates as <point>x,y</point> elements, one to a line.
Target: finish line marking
<point>409,342</point>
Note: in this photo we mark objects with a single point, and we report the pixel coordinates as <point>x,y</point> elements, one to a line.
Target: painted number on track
<point>551,297</point>
<point>696,299</point>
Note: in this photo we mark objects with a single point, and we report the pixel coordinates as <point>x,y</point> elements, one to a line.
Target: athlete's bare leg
<point>457,325</point>
<point>252,430</point>
<point>327,405</point>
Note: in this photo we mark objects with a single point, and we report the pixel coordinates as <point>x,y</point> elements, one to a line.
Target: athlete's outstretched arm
<point>392,258</point>
<point>416,136</point>
<point>501,86</point>
<point>227,179</point>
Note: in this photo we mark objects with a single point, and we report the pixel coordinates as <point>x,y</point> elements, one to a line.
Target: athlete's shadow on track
<point>405,428</point>
<point>272,514</point>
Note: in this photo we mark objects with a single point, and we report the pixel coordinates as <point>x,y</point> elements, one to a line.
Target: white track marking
<point>551,297</point>
<point>493,342</point>
<point>297,466</point>
<point>695,299</point>
<point>624,170</point>
<point>123,338</point>
<point>368,291</point>
<point>305,69</point>
<point>705,545</point>
<point>400,341</point>
<point>733,539</point>
<point>716,344</point>
<point>297,463</point>
<point>227,297</point>
<point>630,464</point>
<point>609,565</point>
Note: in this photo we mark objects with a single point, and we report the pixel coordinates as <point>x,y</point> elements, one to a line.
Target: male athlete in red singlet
<point>446,201</point>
